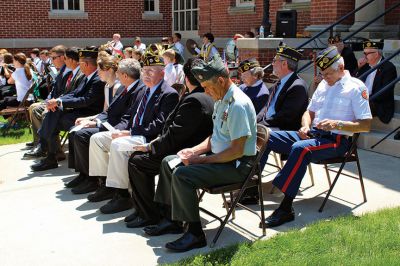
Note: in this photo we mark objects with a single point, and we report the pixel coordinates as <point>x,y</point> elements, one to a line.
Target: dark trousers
<point>78,157</point>
<point>142,170</point>
<point>53,122</point>
<point>301,153</point>
<point>9,101</point>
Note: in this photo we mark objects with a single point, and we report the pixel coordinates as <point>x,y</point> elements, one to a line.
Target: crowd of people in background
<point>133,113</point>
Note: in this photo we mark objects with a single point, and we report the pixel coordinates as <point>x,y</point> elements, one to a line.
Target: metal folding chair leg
<point>332,186</point>
<point>361,178</point>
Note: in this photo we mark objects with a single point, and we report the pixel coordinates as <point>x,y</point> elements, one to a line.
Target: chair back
<point>353,145</point>
<point>262,140</point>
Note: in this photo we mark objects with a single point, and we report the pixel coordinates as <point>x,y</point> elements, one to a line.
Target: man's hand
<point>327,124</point>
<point>88,123</point>
<point>79,120</point>
<point>361,62</point>
<point>51,105</point>
<point>186,155</point>
<point>303,132</point>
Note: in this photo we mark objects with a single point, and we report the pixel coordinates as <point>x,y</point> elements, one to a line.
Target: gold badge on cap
<point>325,60</point>
<point>280,49</point>
<point>80,54</point>
<point>246,67</point>
<point>200,76</point>
<point>368,44</point>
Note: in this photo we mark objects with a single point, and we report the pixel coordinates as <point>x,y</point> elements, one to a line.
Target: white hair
<point>339,62</point>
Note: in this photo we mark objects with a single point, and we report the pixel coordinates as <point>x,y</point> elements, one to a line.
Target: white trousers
<point>106,160</point>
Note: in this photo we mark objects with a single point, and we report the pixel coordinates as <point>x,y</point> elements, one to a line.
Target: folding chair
<point>64,137</point>
<point>252,180</point>
<point>15,111</point>
<point>350,156</point>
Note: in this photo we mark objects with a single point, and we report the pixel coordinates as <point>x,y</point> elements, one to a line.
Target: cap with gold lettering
<point>247,65</point>
<point>373,44</point>
<point>288,52</point>
<point>327,57</point>
<point>88,52</point>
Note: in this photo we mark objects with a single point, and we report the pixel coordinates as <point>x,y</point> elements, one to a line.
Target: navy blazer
<point>290,105</point>
<point>383,106</point>
<point>189,124</point>
<point>119,106</point>
<point>158,108</point>
<point>87,98</point>
<point>58,87</point>
<point>257,94</point>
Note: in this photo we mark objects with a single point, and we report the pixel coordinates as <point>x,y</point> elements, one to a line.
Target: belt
<point>318,133</point>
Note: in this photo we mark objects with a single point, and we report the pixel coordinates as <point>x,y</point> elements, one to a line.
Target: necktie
<point>142,106</point>
<point>68,86</point>
<point>274,89</point>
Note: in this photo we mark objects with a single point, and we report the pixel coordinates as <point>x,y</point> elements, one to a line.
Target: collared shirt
<point>179,47</point>
<point>75,71</point>
<point>234,117</point>
<point>170,74</point>
<point>141,47</point>
<point>132,85</point>
<point>346,100</point>
<point>271,109</point>
<point>369,81</point>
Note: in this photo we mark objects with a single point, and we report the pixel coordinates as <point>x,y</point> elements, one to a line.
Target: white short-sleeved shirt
<point>346,100</point>
<point>170,74</point>
<point>141,47</point>
<point>234,117</point>
<point>22,84</point>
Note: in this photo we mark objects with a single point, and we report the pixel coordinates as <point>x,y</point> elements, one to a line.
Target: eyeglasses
<point>365,53</point>
<point>55,57</point>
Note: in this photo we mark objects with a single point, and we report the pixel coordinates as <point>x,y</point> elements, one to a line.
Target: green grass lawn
<point>373,239</point>
<point>15,135</point>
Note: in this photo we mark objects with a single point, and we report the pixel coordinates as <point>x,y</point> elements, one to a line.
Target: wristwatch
<point>58,102</point>
<point>339,125</point>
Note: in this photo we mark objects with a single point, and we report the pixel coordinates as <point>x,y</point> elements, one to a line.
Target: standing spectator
<point>177,42</point>
<point>208,49</point>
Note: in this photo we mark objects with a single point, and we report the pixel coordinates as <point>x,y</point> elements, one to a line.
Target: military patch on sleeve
<point>364,94</point>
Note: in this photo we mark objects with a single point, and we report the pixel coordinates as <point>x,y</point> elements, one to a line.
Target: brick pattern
<point>328,11</point>
<point>393,17</point>
<point>30,20</point>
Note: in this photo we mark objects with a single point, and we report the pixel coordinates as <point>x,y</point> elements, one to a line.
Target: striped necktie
<point>142,107</point>
<point>274,89</point>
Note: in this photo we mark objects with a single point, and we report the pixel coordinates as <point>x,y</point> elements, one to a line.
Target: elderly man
<point>188,125</point>
<point>128,74</point>
<point>86,99</point>
<point>383,106</point>
<point>226,155</point>
<point>251,73</point>
<point>147,121</point>
<point>350,61</point>
<point>338,108</point>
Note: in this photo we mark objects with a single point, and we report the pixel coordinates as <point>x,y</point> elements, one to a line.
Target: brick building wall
<point>30,19</point>
<point>328,11</point>
<point>392,18</point>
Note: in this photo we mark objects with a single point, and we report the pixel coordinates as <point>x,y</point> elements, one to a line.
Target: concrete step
<point>397,103</point>
<point>379,126</point>
<point>389,146</point>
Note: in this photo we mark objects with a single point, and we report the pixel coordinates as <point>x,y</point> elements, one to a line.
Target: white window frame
<point>240,3</point>
<point>156,8</point>
<point>185,33</point>
<point>300,1</point>
<point>81,7</point>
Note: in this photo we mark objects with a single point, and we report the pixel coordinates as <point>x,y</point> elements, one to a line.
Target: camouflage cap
<point>204,71</point>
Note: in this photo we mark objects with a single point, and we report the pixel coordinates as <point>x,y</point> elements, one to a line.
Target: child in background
<point>170,71</point>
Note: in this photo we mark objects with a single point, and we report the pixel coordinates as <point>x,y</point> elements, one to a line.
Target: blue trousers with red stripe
<point>301,153</point>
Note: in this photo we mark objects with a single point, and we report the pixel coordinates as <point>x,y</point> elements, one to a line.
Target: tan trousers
<point>37,111</point>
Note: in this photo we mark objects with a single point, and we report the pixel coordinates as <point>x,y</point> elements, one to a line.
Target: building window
<point>67,5</point>
<point>245,2</point>
<point>151,6</point>
<point>185,16</point>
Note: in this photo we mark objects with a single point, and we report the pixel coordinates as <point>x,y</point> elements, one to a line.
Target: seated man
<point>86,99</point>
<point>251,73</point>
<point>189,124</point>
<point>288,98</point>
<point>383,106</point>
<point>69,77</point>
<point>147,121</point>
<point>338,108</point>
<point>227,153</point>
<point>128,75</point>
<point>350,61</point>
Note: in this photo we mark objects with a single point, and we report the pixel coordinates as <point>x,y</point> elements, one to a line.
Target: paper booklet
<point>130,144</point>
<point>109,127</point>
<point>76,128</point>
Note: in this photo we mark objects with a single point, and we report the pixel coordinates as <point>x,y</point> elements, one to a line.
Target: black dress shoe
<point>139,222</point>
<point>36,152</point>
<point>88,185</point>
<point>187,242</point>
<point>30,144</point>
<point>131,217</point>
<point>117,204</point>
<point>397,136</point>
<point>76,181</point>
<point>279,217</point>
<point>45,164</point>
<point>102,193</point>
<point>165,226</point>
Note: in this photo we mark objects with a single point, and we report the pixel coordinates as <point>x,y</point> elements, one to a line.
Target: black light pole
<point>265,21</point>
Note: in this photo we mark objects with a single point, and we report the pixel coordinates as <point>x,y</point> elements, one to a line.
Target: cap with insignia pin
<point>153,55</point>
<point>288,52</point>
<point>88,52</point>
<point>204,71</point>
<point>327,57</point>
<point>373,44</point>
<point>247,65</point>
<point>334,39</point>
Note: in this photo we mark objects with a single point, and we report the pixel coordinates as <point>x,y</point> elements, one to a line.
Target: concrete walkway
<point>42,223</point>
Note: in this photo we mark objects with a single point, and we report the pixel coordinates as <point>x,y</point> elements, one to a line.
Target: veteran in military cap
<point>251,74</point>
<point>338,109</point>
<point>220,159</point>
<point>383,106</point>
<point>350,61</point>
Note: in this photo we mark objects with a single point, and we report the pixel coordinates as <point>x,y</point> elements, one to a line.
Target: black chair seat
<point>227,188</point>
<point>351,158</point>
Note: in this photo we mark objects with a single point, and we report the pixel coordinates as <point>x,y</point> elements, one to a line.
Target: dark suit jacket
<point>120,104</point>
<point>158,108</point>
<point>59,84</point>
<point>188,125</point>
<point>383,106</point>
<point>350,61</point>
<point>75,81</point>
<point>87,98</point>
<point>290,105</point>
